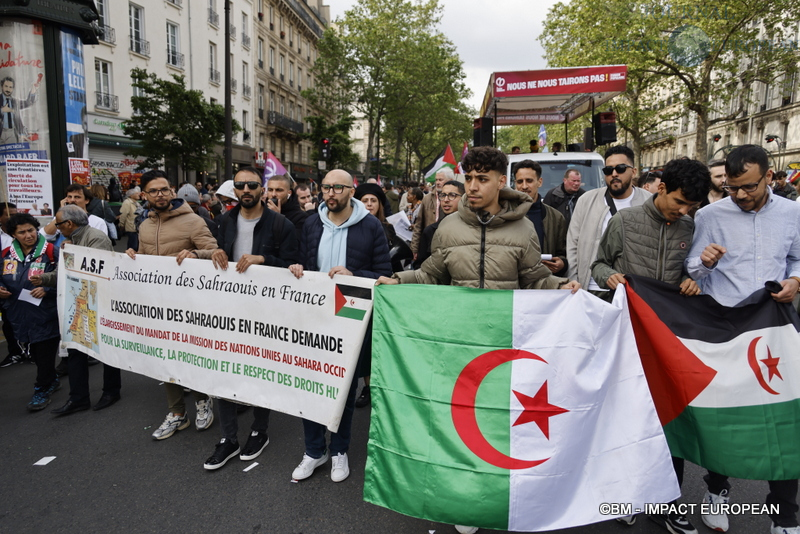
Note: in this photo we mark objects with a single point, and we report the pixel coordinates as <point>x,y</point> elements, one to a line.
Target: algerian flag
<point>724,380</point>
<point>444,159</point>
<point>513,410</point>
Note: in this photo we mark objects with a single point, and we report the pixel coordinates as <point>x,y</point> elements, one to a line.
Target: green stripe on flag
<point>417,463</point>
<point>724,440</point>
<point>351,313</point>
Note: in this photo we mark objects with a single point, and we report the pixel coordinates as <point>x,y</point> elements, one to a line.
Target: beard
<point>716,188</point>
<point>339,206</point>
<point>621,190</point>
<point>249,201</point>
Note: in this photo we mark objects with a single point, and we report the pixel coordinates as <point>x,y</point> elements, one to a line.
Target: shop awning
<point>112,141</point>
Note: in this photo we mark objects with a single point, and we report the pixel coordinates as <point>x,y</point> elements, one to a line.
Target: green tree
<point>173,124</point>
<point>702,55</point>
<point>342,156</point>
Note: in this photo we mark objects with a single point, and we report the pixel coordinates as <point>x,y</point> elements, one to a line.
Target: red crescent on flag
<point>751,359</point>
<point>463,407</point>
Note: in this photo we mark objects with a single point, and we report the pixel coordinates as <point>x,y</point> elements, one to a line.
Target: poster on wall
<point>24,131</point>
<point>75,95</point>
<point>29,185</point>
<point>124,170</point>
<point>79,172</point>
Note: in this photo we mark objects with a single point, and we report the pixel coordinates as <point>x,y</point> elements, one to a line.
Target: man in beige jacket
<point>173,229</point>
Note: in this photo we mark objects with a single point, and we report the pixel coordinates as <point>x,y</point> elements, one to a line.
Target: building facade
<point>273,45</point>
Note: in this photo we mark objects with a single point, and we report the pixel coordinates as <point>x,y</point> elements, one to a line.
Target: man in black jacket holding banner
<point>249,234</point>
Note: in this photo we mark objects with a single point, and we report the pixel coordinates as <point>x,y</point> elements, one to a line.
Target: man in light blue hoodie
<point>341,238</point>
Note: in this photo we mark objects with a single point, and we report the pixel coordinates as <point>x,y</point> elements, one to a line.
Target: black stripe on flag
<point>355,292</point>
<point>705,319</point>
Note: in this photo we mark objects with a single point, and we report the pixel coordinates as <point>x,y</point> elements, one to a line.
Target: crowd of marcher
<point>700,227</point>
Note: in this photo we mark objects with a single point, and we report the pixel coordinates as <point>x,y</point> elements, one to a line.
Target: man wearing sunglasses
<point>249,234</point>
<point>173,229</point>
<point>339,238</point>
<point>740,244</point>
<point>595,209</point>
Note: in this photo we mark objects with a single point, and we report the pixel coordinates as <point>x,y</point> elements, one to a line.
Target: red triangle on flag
<point>674,374</point>
<point>449,157</point>
<point>339,300</point>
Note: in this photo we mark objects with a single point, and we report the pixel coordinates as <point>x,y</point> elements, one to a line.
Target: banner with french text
<point>261,337</point>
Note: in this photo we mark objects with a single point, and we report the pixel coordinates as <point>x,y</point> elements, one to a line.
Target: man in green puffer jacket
<point>653,239</point>
<point>489,242</point>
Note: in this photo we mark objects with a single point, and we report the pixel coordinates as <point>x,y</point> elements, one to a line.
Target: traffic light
<point>325,148</point>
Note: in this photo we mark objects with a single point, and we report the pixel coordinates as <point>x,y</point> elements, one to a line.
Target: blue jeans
<point>340,441</point>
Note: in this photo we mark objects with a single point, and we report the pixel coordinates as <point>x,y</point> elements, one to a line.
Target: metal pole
<point>494,126</point>
<point>228,170</point>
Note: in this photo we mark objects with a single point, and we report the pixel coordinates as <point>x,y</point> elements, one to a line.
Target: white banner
<point>261,337</point>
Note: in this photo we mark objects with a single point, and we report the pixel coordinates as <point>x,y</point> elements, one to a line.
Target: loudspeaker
<point>588,140</point>
<point>605,128</point>
<point>482,132</point>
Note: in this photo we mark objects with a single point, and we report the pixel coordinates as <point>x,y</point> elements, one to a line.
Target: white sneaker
<point>774,529</point>
<point>341,467</point>
<point>205,414</point>
<point>170,425</point>
<point>307,466</point>
<point>715,521</point>
<point>466,530</point>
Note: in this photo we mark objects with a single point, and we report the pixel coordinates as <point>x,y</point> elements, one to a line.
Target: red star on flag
<point>538,410</point>
<point>772,365</point>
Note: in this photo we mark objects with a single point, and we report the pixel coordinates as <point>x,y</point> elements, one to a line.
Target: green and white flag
<point>516,410</point>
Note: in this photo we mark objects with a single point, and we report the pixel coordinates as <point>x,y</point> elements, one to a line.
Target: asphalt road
<point>110,476</point>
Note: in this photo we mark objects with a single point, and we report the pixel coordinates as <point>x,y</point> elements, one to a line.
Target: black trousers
<point>44,354</point>
<point>13,347</point>
<point>78,371</point>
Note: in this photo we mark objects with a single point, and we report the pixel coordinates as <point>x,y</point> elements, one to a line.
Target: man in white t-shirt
<point>595,208</point>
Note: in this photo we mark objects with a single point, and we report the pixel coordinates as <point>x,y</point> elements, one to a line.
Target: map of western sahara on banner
<point>262,337</point>
<point>517,410</point>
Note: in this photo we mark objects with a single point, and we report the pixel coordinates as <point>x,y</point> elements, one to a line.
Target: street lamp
<point>781,145</point>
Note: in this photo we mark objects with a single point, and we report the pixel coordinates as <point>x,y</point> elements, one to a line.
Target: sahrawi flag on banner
<point>725,381</point>
<point>445,159</point>
<point>513,410</point>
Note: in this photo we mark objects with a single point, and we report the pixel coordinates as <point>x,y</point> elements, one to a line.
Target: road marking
<point>249,467</point>
<point>46,460</point>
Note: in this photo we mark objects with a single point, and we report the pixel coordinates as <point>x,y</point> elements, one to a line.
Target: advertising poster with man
<point>24,131</point>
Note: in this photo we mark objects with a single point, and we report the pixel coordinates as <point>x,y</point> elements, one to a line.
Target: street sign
<point>322,165</point>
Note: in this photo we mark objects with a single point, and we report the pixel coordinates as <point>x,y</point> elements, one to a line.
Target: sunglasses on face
<point>250,185</point>
<point>622,167</point>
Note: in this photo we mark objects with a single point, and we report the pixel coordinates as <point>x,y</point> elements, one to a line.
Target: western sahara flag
<point>445,159</point>
<point>724,380</point>
<point>352,302</point>
<point>514,410</point>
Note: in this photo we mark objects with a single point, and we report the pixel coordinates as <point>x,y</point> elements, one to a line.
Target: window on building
<point>173,45</point>
<point>281,27</point>
<point>291,110</point>
<point>102,76</point>
<point>271,60</point>
<point>101,10</point>
<point>261,142</point>
<point>212,56</point>
<point>136,21</point>
<point>281,62</point>
<point>271,17</point>
<point>260,53</point>
<point>299,76</point>
<point>260,98</point>
<point>272,144</point>
<point>245,125</point>
<point>272,102</point>
<point>291,35</point>
<point>291,73</point>
<point>282,109</point>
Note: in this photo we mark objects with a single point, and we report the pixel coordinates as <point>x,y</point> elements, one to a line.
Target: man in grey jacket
<point>595,209</point>
<point>73,222</point>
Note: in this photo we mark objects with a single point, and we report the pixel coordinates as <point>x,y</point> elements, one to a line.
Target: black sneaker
<point>225,451</point>
<point>677,524</point>
<point>363,399</point>
<point>11,359</point>
<point>255,445</point>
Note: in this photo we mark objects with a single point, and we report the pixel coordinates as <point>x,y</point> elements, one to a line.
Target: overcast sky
<point>501,37</point>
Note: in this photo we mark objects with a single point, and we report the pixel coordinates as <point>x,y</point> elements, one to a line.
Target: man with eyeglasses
<point>340,238</point>
<point>77,195</point>
<point>249,234</point>
<point>431,209</point>
<point>739,245</point>
<point>595,209</point>
<point>451,193</point>
<point>564,197</point>
<point>551,228</point>
<point>173,229</point>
